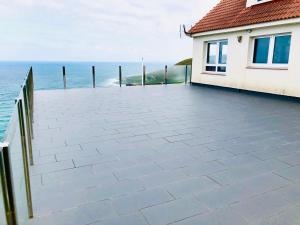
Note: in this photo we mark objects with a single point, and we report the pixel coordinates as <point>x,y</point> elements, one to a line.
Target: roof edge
<point>247,27</point>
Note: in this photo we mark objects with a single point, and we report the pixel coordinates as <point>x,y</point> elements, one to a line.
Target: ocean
<point>48,75</point>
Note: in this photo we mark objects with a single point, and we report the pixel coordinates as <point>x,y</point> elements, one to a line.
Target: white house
<point>249,45</point>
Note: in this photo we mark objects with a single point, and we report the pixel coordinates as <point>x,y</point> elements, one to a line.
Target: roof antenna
<point>186,32</point>
<point>180,32</point>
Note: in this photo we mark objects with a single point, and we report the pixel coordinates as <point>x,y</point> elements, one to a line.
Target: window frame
<point>270,63</point>
<point>217,64</point>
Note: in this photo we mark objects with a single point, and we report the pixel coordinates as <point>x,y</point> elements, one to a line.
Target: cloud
<point>109,30</point>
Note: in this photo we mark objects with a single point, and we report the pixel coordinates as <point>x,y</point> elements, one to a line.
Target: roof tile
<point>233,13</point>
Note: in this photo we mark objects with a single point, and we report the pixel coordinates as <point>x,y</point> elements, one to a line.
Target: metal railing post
<point>94,76</point>
<point>120,76</point>
<point>30,88</point>
<point>32,93</point>
<point>186,74</point>
<point>144,75</point>
<point>28,123</point>
<point>64,77</point>
<point>7,185</point>
<point>166,75</point>
<point>191,74</point>
<point>25,160</point>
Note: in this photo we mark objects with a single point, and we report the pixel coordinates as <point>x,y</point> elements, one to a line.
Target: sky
<point>97,30</point>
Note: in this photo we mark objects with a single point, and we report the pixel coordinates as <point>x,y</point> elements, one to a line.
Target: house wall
<point>239,73</point>
<point>255,2</point>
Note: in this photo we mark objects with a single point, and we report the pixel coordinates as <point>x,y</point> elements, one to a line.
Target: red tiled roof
<point>233,13</point>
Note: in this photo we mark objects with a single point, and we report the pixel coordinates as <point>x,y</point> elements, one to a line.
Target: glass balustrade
<point>15,195</point>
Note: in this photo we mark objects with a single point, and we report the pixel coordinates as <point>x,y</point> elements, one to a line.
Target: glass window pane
<point>222,69</point>
<point>282,49</point>
<point>212,49</point>
<point>261,50</point>
<point>211,68</point>
<point>223,52</point>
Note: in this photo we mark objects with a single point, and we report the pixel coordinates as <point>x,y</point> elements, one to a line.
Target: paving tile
<point>123,220</point>
<point>225,196</point>
<point>59,201</point>
<point>261,207</point>
<point>43,160</point>
<point>292,173</point>
<point>292,159</point>
<point>220,217</point>
<point>239,173</point>
<point>65,175</point>
<point>270,152</point>
<point>52,151</point>
<point>212,155</point>
<point>144,199</point>
<point>36,181</point>
<point>263,183</point>
<point>219,198</point>
<point>137,171</point>
<point>52,167</point>
<point>206,168</point>
<point>174,211</point>
<point>84,214</point>
<point>114,190</point>
<point>291,193</point>
<point>93,160</point>
<point>76,155</point>
<point>99,145</point>
<point>133,139</point>
<point>199,141</point>
<point>162,134</point>
<point>81,182</point>
<point>190,186</point>
<point>179,137</point>
<point>180,161</point>
<point>161,178</point>
<point>240,160</point>
<point>289,216</point>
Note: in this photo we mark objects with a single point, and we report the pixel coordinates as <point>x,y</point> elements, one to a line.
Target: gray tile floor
<point>165,155</point>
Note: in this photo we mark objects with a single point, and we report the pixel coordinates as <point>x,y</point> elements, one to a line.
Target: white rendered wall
<point>239,75</point>
<point>255,2</point>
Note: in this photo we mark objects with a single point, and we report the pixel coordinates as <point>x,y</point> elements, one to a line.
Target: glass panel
<point>132,76</point>
<point>261,50</point>
<point>15,150</point>
<point>155,74</point>
<point>212,49</point>
<point>2,210</point>
<point>211,68</point>
<point>176,74</point>
<point>222,69</point>
<point>223,52</point>
<point>282,49</point>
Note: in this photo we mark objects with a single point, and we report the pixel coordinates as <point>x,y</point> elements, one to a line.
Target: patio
<point>158,155</point>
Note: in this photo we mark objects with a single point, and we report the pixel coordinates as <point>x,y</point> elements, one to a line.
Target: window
<point>272,50</point>
<point>216,59</point>
<point>261,50</point>
<point>282,49</point>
